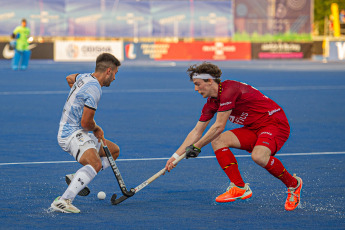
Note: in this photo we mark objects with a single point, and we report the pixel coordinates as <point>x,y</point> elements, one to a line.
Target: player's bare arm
<point>88,123</point>
<point>215,130</point>
<point>191,138</point>
<point>71,79</point>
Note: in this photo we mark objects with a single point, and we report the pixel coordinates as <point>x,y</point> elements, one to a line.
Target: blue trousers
<point>21,59</point>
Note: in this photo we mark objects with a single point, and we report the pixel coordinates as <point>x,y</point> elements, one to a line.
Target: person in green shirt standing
<point>22,52</point>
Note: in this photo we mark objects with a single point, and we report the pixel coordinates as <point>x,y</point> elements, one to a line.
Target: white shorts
<point>78,143</point>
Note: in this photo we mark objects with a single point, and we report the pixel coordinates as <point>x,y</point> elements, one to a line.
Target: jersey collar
<point>220,89</point>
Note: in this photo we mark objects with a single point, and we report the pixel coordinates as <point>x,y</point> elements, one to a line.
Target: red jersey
<point>249,106</point>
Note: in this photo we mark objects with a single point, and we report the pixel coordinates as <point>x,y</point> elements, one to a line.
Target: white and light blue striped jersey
<point>86,91</point>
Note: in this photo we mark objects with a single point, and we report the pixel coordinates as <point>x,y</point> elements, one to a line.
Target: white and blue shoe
<point>65,206</point>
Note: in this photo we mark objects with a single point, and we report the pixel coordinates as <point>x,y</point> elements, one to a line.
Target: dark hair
<point>24,20</point>
<point>205,67</point>
<point>106,60</point>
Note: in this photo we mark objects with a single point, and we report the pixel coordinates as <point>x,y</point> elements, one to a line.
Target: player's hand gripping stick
<point>192,151</point>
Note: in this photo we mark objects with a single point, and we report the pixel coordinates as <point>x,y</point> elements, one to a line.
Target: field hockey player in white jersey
<point>79,135</point>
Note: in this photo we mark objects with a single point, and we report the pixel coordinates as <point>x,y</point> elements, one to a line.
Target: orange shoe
<point>234,193</point>
<point>294,195</point>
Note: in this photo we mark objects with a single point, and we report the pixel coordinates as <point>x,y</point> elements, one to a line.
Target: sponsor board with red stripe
<point>203,51</point>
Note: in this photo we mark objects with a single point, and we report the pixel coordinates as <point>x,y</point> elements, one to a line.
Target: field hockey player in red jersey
<point>263,133</point>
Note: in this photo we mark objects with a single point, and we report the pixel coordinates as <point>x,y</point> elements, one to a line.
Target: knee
<point>97,165</point>
<point>220,143</point>
<point>226,139</point>
<point>256,157</point>
<point>260,158</point>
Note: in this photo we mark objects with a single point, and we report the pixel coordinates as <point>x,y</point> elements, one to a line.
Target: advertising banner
<point>281,50</point>
<point>336,51</point>
<point>140,51</point>
<point>273,17</point>
<point>86,50</point>
<point>184,51</point>
<point>207,51</point>
<point>38,50</point>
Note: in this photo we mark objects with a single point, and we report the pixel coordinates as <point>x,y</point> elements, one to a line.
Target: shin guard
<point>228,162</point>
<point>277,169</point>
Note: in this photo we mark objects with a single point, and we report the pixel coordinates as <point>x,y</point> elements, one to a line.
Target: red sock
<point>276,168</point>
<point>228,162</point>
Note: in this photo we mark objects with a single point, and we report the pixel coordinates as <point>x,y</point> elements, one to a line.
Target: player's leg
<point>92,165</point>
<point>25,59</point>
<point>83,149</point>
<point>88,138</point>
<point>113,148</point>
<point>81,179</point>
<point>238,138</point>
<point>84,192</point>
<point>16,59</point>
<point>226,158</point>
<point>90,157</point>
<point>263,154</point>
<point>268,143</point>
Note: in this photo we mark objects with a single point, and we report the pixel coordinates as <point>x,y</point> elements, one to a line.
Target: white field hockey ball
<point>101,195</point>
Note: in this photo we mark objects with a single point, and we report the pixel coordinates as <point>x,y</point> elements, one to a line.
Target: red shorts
<point>273,136</point>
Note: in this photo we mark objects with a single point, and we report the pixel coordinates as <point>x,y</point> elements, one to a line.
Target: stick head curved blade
<point>113,198</point>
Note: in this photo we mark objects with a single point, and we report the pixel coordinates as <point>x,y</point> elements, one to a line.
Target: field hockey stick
<point>117,173</point>
<point>115,201</point>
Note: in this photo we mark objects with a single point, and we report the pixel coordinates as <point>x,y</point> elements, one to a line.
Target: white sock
<point>105,163</point>
<point>80,180</point>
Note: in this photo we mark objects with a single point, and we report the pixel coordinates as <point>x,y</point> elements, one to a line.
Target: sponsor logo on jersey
<point>80,137</point>
<point>232,119</point>
<point>80,83</point>
<point>268,133</point>
<point>273,111</point>
<point>225,103</point>
<point>272,162</point>
<point>239,120</point>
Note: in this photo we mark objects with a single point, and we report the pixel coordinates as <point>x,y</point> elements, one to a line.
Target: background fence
<point>157,18</point>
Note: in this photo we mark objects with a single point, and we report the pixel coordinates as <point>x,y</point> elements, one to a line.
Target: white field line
<point>158,159</point>
<point>274,88</point>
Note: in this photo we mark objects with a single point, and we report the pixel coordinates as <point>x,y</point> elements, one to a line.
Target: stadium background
<point>166,30</point>
<point>153,106</point>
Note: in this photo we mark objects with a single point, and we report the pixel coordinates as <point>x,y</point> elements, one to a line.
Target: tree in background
<point>322,11</point>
